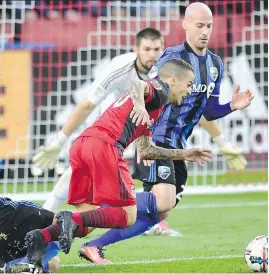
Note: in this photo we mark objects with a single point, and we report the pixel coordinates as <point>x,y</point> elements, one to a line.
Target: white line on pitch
<point>159,261</point>
<point>216,205</point>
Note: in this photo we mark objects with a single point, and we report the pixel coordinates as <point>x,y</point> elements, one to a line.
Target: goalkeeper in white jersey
<point>113,80</point>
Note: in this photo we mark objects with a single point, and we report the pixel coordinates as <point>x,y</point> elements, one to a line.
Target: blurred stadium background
<point>51,50</point>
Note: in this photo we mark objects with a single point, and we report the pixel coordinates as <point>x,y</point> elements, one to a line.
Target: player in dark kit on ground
<point>16,220</point>
<point>100,175</point>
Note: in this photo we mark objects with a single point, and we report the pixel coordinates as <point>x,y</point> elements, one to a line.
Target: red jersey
<point>115,125</point>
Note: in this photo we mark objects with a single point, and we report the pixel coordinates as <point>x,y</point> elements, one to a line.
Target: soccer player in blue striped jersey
<point>167,178</point>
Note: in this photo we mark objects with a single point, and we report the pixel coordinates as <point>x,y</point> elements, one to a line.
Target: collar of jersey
<point>137,71</point>
<point>189,49</point>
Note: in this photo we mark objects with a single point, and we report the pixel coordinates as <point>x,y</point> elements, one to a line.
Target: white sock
<point>60,192</point>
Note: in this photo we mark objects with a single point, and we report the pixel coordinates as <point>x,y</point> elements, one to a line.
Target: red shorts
<point>99,174</point>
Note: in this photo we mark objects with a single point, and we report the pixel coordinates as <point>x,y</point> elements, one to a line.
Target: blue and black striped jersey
<point>176,122</point>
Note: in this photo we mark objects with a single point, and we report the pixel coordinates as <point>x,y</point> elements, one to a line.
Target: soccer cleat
<point>67,228</point>
<point>35,247</point>
<point>94,254</point>
<point>162,229</point>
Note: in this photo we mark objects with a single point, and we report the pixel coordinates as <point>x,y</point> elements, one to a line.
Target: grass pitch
<point>216,230</point>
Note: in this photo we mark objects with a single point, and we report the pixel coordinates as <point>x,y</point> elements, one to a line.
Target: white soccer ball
<point>256,254</point>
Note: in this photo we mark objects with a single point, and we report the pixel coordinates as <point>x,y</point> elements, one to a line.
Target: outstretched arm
<point>78,116</point>
<point>240,100</point>
<point>148,151</point>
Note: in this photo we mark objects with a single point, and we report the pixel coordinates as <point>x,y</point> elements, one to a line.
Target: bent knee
<point>165,196</point>
<point>165,205</point>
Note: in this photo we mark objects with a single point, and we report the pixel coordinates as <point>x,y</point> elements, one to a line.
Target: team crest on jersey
<point>156,84</point>
<point>164,172</point>
<point>214,73</point>
<point>153,72</point>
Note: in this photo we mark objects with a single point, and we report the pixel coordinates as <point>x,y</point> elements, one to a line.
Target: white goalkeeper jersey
<point>109,85</point>
<point>114,80</point>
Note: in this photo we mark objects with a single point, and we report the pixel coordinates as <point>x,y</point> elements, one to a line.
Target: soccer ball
<point>256,254</point>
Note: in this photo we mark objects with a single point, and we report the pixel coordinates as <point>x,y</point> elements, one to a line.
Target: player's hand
<point>241,100</point>
<point>139,115</point>
<point>47,155</point>
<point>145,162</point>
<point>199,156</point>
<point>234,157</point>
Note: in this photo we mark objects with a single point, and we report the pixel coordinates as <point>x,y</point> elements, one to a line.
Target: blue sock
<point>147,216</point>
<point>52,250</point>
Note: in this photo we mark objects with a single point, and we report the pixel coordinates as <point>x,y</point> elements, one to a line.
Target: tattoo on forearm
<point>137,92</point>
<point>148,151</point>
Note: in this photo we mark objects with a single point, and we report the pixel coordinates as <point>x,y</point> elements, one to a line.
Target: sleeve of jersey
<point>216,91</point>
<point>168,54</point>
<point>214,110</point>
<point>106,83</point>
<point>159,94</point>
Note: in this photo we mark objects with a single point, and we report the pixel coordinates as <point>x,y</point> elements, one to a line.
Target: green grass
<point>214,239</point>
<point>242,177</point>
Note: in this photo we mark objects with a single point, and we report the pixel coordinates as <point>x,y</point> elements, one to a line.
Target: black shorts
<point>12,233</point>
<point>162,171</point>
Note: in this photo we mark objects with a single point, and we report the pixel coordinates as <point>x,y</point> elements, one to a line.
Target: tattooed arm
<point>148,151</point>
<point>139,90</point>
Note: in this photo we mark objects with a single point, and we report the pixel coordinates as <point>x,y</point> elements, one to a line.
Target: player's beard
<point>147,65</point>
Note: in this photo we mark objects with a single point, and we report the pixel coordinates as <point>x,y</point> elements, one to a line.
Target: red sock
<point>51,233</point>
<point>82,230</point>
<point>105,217</point>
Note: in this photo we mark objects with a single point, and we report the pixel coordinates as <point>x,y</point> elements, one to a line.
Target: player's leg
<point>181,178</point>
<point>147,210</point>
<point>59,194</point>
<point>147,216</point>
<point>79,191</point>
<point>150,176</point>
<point>106,181</point>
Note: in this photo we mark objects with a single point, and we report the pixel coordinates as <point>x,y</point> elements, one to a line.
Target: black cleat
<point>35,247</point>
<point>67,228</point>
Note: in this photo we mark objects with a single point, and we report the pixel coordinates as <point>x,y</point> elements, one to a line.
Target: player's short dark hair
<point>148,33</point>
<point>175,67</point>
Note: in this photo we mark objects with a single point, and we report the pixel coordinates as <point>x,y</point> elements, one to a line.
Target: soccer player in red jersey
<point>101,187</point>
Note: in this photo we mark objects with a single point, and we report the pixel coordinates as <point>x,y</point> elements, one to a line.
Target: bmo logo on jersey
<point>203,88</point>
<point>213,73</point>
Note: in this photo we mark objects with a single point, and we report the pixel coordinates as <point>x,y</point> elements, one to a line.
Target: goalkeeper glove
<point>47,155</point>
<point>234,156</point>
